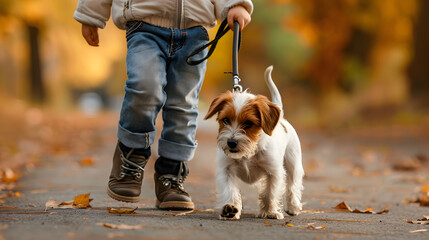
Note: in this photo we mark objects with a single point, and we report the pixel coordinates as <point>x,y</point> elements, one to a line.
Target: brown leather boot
<point>170,192</point>
<point>126,177</point>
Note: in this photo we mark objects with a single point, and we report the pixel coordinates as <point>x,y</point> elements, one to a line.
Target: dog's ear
<point>269,113</point>
<point>218,103</point>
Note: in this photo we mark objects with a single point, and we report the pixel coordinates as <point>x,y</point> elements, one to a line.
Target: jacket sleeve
<point>223,6</point>
<point>93,12</point>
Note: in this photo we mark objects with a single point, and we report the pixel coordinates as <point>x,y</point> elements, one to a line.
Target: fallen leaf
<point>311,226</point>
<point>121,226</point>
<point>9,176</point>
<point>55,204</point>
<point>345,206</point>
<point>423,221</point>
<point>69,203</point>
<point>51,204</point>
<point>86,161</point>
<point>82,201</point>
<point>122,210</point>
<point>424,200</point>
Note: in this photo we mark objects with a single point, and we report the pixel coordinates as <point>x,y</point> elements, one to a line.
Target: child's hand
<point>239,14</point>
<point>90,33</point>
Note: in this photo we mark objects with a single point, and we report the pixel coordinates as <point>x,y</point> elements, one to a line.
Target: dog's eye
<point>225,121</point>
<point>247,124</point>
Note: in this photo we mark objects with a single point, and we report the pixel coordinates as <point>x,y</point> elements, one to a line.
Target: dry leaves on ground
<point>81,201</point>
<point>344,206</point>
<point>423,221</point>
<point>122,210</point>
<point>120,226</point>
<point>287,224</point>
<point>423,198</point>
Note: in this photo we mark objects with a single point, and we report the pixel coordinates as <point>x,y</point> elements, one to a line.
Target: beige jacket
<point>163,13</point>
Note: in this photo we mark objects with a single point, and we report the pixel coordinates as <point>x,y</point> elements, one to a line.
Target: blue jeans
<point>160,79</point>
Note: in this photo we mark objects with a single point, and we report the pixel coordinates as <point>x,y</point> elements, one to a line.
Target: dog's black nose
<point>232,143</point>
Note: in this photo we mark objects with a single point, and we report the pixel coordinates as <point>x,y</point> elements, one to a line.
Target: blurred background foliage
<point>336,62</point>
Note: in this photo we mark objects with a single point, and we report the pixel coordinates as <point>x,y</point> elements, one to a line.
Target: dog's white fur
<point>268,156</point>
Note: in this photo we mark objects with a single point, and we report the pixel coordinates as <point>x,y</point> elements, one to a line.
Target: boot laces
<point>130,168</point>
<point>176,181</point>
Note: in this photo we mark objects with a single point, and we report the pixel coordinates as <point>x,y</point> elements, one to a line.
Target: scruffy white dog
<point>257,145</point>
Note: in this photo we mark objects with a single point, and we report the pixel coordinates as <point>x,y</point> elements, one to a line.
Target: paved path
<point>355,167</point>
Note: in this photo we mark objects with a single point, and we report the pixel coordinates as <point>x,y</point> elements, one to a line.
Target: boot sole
<point>175,205</point>
<point>122,198</point>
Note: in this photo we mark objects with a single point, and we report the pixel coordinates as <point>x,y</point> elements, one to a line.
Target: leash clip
<point>237,86</point>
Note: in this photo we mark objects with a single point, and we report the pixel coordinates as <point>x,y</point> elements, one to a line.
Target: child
<point>160,35</point>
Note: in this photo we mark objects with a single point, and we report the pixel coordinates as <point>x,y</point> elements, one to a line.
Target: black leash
<point>223,29</point>
<point>235,48</point>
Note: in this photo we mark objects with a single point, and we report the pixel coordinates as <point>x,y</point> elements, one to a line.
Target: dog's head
<point>242,118</point>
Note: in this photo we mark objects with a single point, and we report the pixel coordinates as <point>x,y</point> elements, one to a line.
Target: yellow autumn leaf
<point>82,201</point>
<point>122,210</point>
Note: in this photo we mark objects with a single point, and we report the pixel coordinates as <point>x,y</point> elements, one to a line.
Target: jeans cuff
<point>176,151</point>
<point>135,140</point>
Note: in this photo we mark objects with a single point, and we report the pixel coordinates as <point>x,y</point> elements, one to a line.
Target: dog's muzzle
<point>232,144</point>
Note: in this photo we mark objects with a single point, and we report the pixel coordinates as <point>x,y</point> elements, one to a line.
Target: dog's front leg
<point>228,195</point>
<point>271,190</point>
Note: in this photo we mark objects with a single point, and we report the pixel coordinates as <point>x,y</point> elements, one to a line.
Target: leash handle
<point>235,48</point>
<point>223,29</point>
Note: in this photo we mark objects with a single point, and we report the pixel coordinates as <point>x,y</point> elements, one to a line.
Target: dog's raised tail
<point>275,94</point>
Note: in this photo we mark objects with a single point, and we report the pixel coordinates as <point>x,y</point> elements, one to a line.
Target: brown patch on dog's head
<point>267,112</point>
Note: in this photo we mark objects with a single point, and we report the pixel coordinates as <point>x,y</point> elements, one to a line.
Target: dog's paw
<point>293,211</point>
<point>271,215</point>
<point>229,212</point>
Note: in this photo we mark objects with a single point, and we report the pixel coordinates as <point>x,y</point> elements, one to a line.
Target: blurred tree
<point>30,14</point>
<point>419,70</point>
<point>36,88</point>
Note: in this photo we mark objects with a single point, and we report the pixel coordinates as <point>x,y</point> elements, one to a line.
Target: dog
<point>257,145</point>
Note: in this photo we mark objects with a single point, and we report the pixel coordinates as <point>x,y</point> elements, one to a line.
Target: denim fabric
<point>160,79</point>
